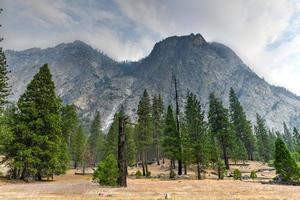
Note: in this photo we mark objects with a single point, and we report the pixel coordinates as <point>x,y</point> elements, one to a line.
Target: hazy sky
<point>264,33</point>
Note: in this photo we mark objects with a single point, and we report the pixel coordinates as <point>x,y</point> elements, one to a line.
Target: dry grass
<point>72,186</point>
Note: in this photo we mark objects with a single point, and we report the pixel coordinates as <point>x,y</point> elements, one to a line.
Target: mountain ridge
<point>93,81</point>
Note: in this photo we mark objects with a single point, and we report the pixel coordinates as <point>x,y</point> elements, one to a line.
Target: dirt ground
<point>72,186</point>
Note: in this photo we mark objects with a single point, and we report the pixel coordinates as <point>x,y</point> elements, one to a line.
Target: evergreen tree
<point>245,139</point>
<point>220,127</point>
<point>112,138</point>
<point>157,121</point>
<point>96,138</point>
<point>130,145</point>
<point>170,140</point>
<point>143,129</point>
<point>79,143</point>
<point>37,149</point>
<point>288,137</point>
<point>284,164</point>
<point>263,142</point>
<point>4,86</point>
<point>69,123</point>
<point>296,139</point>
<point>197,134</point>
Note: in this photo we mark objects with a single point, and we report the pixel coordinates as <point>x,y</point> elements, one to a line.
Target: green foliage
<point>220,127</point>
<point>37,148</point>
<point>79,142</point>
<point>253,175</point>
<point>138,173</point>
<point>221,169</point>
<point>245,140</point>
<point>148,174</point>
<point>296,140</point>
<point>285,165</point>
<point>69,123</point>
<point>170,140</point>
<point>288,137</point>
<point>4,86</point>
<point>237,175</point>
<point>107,172</point>
<point>130,145</point>
<point>263,139</point>
<point>172,174</point>
<point>195,135</point>
<point>96,140</point>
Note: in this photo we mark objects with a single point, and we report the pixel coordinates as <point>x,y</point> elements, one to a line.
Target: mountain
<point>93,81</point>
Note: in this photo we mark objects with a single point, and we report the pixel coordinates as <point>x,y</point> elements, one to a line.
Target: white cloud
<point>128,29</point>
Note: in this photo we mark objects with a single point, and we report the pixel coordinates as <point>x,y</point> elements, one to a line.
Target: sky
<point>264,33</point>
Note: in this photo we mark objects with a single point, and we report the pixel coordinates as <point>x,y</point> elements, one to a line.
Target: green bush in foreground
<point>286,167</point>
<point>138,174</point>
<point>106,172</point>
<point>237,175</point>
<point>172,174</point>
<point>253,175</point>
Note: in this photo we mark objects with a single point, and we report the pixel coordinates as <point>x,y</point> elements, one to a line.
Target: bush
<point>253,175</point>
<point>221,168</point>
<point>237,175</point>
<point>138,174</point>
<point>148,174</point>
<point>107,172</point>
<point>172,174</point>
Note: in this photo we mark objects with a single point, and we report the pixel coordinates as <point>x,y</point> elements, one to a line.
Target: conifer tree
<point>143,129</point>
<point>96,139</point>
<point>284,164</point>
<point>79,142</point>
<point>220,126</point>
<point>263,142</point>
<point>38,146</point>
<point>288,137</point>
<point>157,121</point>
<point>69,123</point>
<point>197,133</point>
<point>244,136</point>
<point>296,139</point>
<point>4,86</point>
<point>170,140</point>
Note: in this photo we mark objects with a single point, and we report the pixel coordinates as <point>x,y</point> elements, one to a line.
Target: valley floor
<point>72,186</point>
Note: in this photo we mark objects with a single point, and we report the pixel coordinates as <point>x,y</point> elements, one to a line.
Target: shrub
<point>221,168</point>
<point>237,175</point>
<point>172,174</point>
<point>286,167</point>
<point>138,174</point>
<point>107,172</point>
<point>148,174</point>
<point>253,175</point>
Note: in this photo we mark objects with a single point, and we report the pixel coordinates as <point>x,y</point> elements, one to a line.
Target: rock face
<point>93,81</point>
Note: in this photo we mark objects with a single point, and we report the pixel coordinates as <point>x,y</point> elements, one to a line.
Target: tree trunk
<point>143,162</point>
<point>75,164</point>
<point>122,164</point>
<point>185,168</point>
<point>157,155</point>
<point>225,157</point>
<point>178,128</point>
<point>198,170</point>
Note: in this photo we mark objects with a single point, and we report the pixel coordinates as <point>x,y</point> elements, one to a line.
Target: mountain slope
<point>92,81</point>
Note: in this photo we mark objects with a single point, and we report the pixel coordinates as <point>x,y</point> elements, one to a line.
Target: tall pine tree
<point>263,139</point>
<point>221,127</point>
<point>38,148</point>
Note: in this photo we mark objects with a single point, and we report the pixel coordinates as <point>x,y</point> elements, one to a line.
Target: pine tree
<point>38,146</point>
<point>130,145</point>
<point>4,86</point>
<point>157,121</point>
<point>111,143</point>
<point>296,139</point>
<point>96,138</point>
<point>263,140</point>
<point>69,123</point>
<point>170,140</point>
<point>288,138</point>
<point>143,129</point>
<point>244,136</point>
<point>79,143</point>
<point>284,164</point>
<point>197,133</point>
<point>220,127</point>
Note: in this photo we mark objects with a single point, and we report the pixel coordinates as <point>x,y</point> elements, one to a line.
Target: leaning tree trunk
<point>122,164</point>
